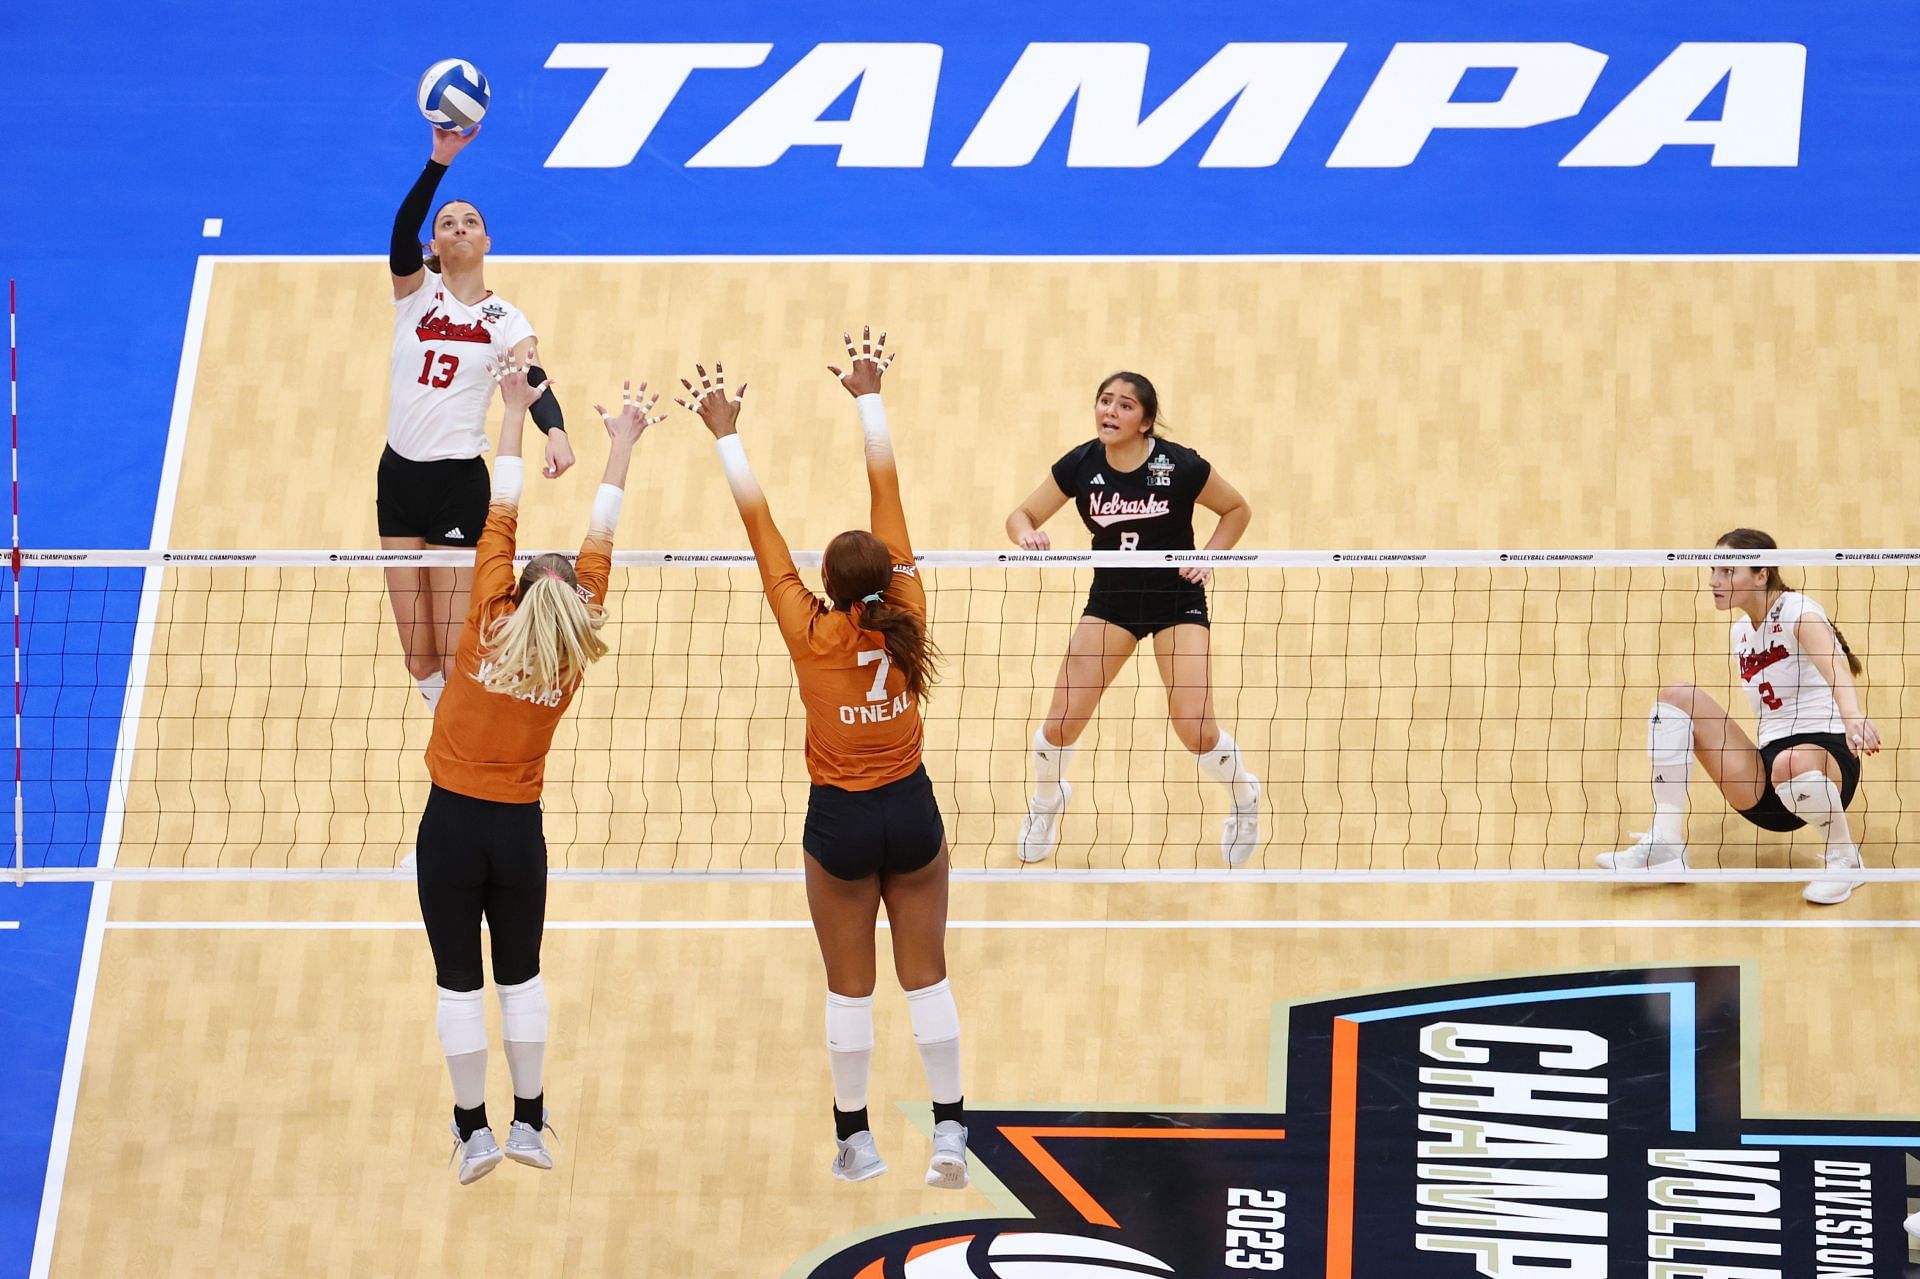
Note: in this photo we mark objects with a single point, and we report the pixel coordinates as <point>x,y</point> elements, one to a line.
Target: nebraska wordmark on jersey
<point>441,387</point>
<point>1788,693</point>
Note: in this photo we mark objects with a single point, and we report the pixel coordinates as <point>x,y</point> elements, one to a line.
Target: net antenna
<point>13,413</point>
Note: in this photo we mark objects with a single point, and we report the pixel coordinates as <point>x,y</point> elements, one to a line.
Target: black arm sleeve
<point>546,410</point>
<point>403,255</point>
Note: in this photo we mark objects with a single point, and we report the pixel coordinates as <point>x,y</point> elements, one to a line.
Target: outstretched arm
<point>793,604</point>
<point>493,572</point>
<point>403,251</point>
<point>869,363</point>
<point>624,429</point>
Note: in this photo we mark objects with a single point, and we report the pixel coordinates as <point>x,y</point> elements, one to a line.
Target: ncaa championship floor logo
<point>1568,1125</point>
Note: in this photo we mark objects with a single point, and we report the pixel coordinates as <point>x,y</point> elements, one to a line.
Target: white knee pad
<point>936,1018</point>
<point>849,1023</point>
<point>523,1011</point>
<point>1669,735</point>
<point>462,1022</point>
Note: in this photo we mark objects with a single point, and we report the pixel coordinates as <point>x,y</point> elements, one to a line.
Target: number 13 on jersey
<point>449,365</point>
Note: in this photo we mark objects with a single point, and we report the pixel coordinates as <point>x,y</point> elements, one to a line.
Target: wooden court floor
<point>262,1092</point>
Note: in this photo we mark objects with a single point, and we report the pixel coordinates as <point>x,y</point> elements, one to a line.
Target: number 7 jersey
<point>1788,693</point>
<point>863,726</point>
<point>441,387</point>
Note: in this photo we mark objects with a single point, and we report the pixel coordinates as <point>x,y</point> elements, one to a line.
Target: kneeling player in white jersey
<point>1789,656</point>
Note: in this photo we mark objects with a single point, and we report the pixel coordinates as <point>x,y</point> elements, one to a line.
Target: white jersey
<point>441,388</point>
<point>1788,693</point>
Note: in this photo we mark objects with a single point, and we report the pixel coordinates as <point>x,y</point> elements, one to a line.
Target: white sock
<point>431,687</point>
<point>849,1048</point>
<point>1049,770</point>
<point>1814,799</point>
<point>462,1023</point>
<point>1224,765</point>
<point>936,1030</point>
<point>1670,747</point>
<point>523,1021</point>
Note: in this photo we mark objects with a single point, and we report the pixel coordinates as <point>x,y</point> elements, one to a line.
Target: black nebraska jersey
<point>1149,508</point>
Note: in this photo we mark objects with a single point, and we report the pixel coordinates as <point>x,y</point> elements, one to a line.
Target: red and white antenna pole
<point>13,412</point>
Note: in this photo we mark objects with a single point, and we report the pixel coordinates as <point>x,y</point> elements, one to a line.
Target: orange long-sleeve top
<point>489,745</point>
<point>863,727</point>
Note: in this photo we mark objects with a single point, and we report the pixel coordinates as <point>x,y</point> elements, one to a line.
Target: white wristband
<point>733,459</point>
<point>509,477</point>
<point>873,415</point>
<point>873,424</point>
<point>606,509</point>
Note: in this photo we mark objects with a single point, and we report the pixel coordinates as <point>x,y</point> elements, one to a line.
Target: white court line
<point>8,923</point>
<point>115,817</point>
<point>1095,258</point>
<point>1343,924</point>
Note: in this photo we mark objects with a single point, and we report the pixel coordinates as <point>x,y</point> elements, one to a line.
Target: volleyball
<point>453,94</point>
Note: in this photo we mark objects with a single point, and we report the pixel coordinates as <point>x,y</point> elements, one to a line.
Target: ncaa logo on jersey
<point>1160,472</point>
<point>493,313</point>
<point>1577,1124</point>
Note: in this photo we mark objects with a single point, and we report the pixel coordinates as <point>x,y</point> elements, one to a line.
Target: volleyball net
<point>1410,714</point>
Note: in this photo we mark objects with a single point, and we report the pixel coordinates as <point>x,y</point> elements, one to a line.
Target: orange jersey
<point>863,727</point>
<point>488,745</point>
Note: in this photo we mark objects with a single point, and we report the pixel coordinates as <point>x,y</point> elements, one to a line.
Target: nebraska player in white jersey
<point>1798,674</point>
<point>447,328</point>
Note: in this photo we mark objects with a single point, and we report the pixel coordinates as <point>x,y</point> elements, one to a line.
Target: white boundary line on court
<point>111,825</point>
<point>1093,259</point>
<point>1343,924</point>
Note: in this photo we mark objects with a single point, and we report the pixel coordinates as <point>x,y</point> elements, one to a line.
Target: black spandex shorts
<point>1770,813</point>
<point>1143,611</point>
<point>894,828</point>
<point>444,502</point>
<point>480,858</point>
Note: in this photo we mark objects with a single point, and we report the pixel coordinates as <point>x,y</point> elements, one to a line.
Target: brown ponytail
<point>1752,539</point>
<point>857,565</point>
<point>905,635</point>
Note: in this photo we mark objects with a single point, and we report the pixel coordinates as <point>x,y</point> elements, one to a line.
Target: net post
<point>13,414</point>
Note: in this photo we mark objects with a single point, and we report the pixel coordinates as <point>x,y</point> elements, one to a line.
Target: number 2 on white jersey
<point>878,693</point>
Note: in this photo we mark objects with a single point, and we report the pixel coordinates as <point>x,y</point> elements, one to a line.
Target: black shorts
<point>475,859</point>
<point>1143,610</point>
<point>443,503</point>
<point>1770,813</point>
<point>893,829</point>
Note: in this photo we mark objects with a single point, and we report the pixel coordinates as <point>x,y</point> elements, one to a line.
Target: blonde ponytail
<point>541,650</point>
